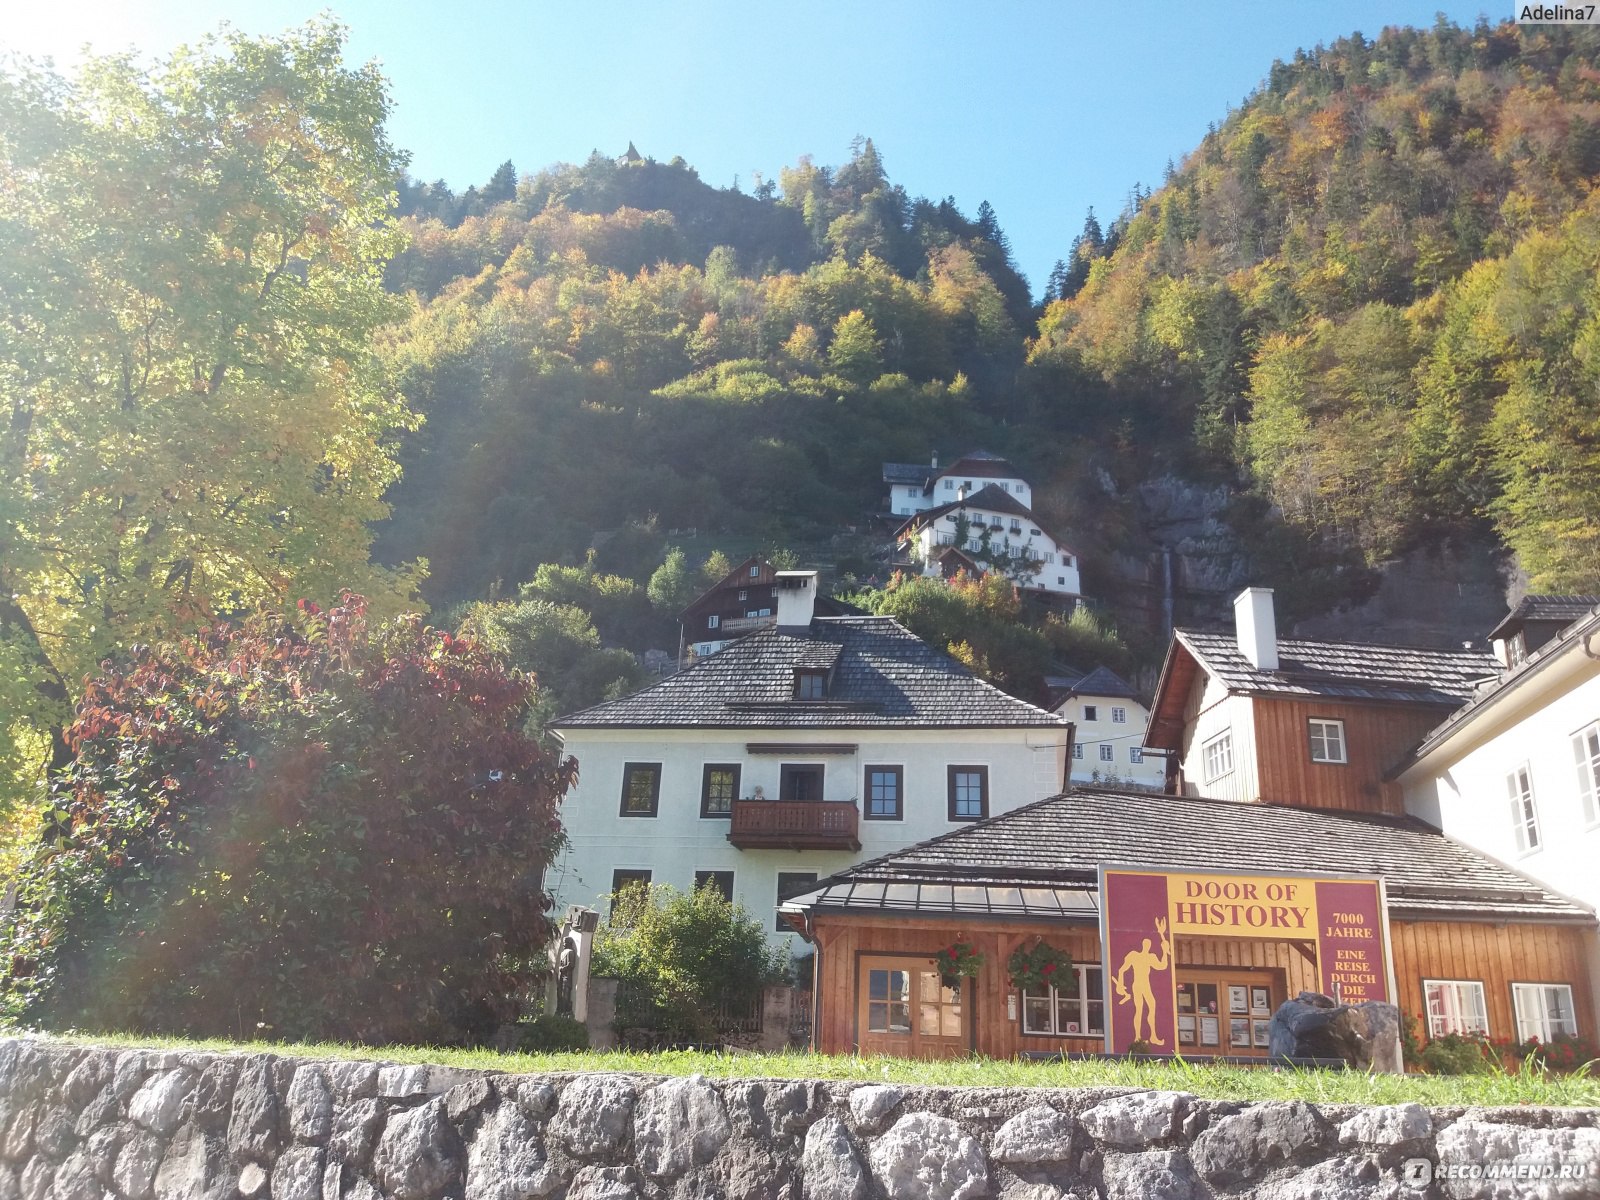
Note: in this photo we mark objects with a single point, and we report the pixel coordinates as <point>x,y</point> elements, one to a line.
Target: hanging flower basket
<point>956,962</point>
<point>1040,967</point>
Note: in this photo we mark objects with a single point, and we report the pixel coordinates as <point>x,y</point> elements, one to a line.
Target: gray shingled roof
<point>1488,696</point>
<point>1565,609</point>
<point>882,676</point>
<point>1103,681</point>
<point>904,473</point>
<point>1043,852</point>
<point>1355,670</point>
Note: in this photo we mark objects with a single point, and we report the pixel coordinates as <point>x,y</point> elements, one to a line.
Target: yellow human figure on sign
<point>1142,963</point>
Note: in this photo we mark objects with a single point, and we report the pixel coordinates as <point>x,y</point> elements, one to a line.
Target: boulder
<point>253,1121</point>
<point>298,1174</point>
<point>1152,1175</point>
<point>1314,1026</point>
<point>592,1118</point>
<point>419,1156</point>
<point>1138,1120</point>
<point>504,1159</point>
<point>679,1125</point>
<point>830,1168</point>
<point>1035,1135</point>
<point>871,1105</point>
<point>1244,1146</point>
<point>927,1157</point>
<point>310,1102</point>
<point>158,1104</point>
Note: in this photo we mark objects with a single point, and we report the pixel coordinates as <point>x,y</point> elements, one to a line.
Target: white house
<point>987,527</point>
<point>1108,746</point>
<point>1516,772</point>
<point>915,488</point>
<point>795,752</point>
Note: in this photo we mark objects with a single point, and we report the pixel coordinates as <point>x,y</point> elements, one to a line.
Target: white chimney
<point>1256,627</point>
<point>935,460</point>
<point>797,601</point>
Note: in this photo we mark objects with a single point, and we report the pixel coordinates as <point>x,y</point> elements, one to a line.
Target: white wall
<point>906,499</point>
<point>1462,789</point>
<point>1210,710</point>
<point>1121,737</point>
<point>1024,765</point>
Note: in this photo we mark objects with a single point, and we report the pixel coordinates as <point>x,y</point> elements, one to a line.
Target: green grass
<point>1217,1082</point>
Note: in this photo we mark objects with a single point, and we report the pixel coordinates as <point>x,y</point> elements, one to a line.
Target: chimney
<point>935,460</point>
<point>797,601</point>
<point>1256,627</point>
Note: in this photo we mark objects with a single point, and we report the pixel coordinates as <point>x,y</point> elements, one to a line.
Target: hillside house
<point>1317,724</point>
<point>914,488</point>
<point>1443,930</point>
<point>996,531</point>
<point>1516,772</point>
<point>1110,722</point>
<point>742,601</point>
<point>794,752</point>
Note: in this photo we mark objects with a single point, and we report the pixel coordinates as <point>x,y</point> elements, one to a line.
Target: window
<point>1327,741</point>
<point>1586,751</point>
<point>1056,1014</point>
<point>1091,712</point>
<point>1034,532</point>
<point>744,593</point>
<point>1004,486</point>
<point>755,571</point>
<point>966,485</point>
<point>792,883</point>
<point>1061,580</point>
<point>1066,560</point>
<point>622,881</point>
<point>810,685</point>
<point>949,485</point>
<point>1077,749</point>
<point>969,793</point>
<point>1218,755</point>
<point>1524,817</point>
<point>641,789</point>
<point>1544,1011</point>
<point>883,787</point>
<point>1136,754</point>
<point>1455,1006</point>
<point>722,881</point>
<point>1050,557</point>
<point>713,621</point>
<point>1107,752</point>
<point>1119,716</point>
<point>1016,525</point>
<point>719,788</point>
<point>800,782</point>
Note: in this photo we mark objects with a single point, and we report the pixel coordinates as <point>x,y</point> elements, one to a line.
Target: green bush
<point>1458,1054</point>
<point>550,1033</point>
<point>679,956</point>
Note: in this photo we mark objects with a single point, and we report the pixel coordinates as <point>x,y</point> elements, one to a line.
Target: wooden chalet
<point>741,602</point>
<point>1033,873</point>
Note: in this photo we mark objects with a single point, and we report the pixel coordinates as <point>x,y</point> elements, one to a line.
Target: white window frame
<point>1461,1007</point>
<point>1119,716</point>
<point>1216,755</point>
<point>1136,754</point>
<point>1327,740</point>
<point>1586,756</point>
<point>1538,1022</point>
<point>1108,752</point>
<point>1524,810</point>
<point>1077,749</point>
<point>713,621</point>
<point>1080,1003</point>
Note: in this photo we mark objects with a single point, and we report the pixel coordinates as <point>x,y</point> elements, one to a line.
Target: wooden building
<point>1472,945</point>
<point>742,602</point>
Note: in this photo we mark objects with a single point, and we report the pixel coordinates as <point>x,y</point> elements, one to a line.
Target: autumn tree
<point>308,827</point>
<point>189,282</point>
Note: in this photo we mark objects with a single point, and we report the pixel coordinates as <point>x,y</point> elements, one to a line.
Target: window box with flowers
<point>957,961</point>
<point>1040,967</point>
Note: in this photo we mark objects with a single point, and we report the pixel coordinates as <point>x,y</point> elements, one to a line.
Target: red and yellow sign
<point>1338,920</point>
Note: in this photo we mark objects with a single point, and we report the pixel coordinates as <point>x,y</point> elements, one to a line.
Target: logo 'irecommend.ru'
<point>1420,1172</point>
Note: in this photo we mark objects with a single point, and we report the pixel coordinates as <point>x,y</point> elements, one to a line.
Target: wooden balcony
<point>732,625</point>
<point>795,825</point>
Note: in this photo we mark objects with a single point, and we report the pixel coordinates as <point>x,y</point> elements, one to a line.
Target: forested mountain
<point>1364,308</point>
<point>1372,292</point>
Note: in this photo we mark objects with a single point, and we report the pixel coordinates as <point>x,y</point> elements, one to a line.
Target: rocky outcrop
<point>79,1123</point>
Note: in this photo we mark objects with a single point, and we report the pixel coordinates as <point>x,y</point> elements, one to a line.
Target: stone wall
<point>80,1123</point>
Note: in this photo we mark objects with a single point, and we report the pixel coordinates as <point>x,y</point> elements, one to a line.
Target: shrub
<point>679,956</point>
<point>552,1034</point>
<point>292,829</point>
<point>1457,1054</point>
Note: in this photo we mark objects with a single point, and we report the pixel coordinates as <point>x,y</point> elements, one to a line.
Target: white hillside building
<point>1515,774</point>
<point>1108,744</point>
<point>985,527</point>
<point>915,488</point>
<point>795,752</point>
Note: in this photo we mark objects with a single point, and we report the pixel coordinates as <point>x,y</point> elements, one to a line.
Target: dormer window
<point>810,685</point>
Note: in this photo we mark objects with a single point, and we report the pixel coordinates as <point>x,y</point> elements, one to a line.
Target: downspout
<point>1586,650</point>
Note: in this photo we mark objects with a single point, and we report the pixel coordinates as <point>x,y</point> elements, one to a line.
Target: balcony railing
<point>745,624</point>
<point>795,825</point>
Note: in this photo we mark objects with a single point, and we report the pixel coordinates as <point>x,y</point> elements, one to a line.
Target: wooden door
<point>903,1010</point>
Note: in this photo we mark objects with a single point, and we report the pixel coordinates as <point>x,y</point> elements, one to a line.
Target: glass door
<point>904,1010</point>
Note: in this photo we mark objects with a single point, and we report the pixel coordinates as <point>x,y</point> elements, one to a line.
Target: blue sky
<point>1043,109</point>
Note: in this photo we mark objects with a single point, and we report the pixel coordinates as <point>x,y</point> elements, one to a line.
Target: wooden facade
<point>1376,736</point>
<point>850,946</point>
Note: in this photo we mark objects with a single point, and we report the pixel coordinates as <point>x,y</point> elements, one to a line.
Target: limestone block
<point>1039,1134</point>
<point>928,1157</point>
<point>1138,1120</point>
<point>679,1125</point>
<point>830,1168</point>
<point>592,1118</point>
<point>420,1155</point>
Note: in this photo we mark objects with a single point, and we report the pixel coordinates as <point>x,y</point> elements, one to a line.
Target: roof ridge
<point>1408,646</point>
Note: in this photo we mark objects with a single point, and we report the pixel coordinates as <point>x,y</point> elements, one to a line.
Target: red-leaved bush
<point>292,829</point>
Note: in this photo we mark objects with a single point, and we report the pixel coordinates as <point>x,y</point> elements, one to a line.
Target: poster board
<point>1342,921</point>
